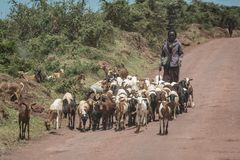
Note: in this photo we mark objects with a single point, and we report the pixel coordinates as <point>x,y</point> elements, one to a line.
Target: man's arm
<point>162,54</point>
<point>180,53</point>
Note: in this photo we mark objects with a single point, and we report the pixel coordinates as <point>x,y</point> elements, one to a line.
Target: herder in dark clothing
<point>171,58</point>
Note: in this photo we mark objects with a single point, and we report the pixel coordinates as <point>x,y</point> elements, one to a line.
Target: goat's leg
<point>80,125</point>
<point>124,119</point>
<point>57,122</point>
<point>117,122</point>
<point>192,102</point>
<point>153,113</point>
<point>111,121</point>
<point>90,121</point>
<point>138,124</point>
<point>161,126</point>
<point>69,120</point>
<point>166,120</point>
<point>20,130</point>
<point>28,130</point>
<point>24,130</point>
<point>73,121</point>
<point>164,126</point>
<point>174,112</point>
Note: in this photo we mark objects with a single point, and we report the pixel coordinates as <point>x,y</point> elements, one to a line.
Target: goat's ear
<point>190,79</point>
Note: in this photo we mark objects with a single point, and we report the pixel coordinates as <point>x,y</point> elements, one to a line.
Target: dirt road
<point>211,131</point>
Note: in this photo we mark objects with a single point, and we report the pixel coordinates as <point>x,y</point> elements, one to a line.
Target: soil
<point>210,131</point>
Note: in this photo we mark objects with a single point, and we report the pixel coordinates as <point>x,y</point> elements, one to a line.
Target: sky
<point>94,4</point>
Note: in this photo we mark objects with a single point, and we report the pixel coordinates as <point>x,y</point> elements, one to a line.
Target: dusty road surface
<point>211,131</point>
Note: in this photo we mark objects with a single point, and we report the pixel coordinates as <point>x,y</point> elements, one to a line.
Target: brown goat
<point>23,120</point>
<point>122,72</point>
<point>12,88</point>
<point>52,118</point>
<point>164,117</point>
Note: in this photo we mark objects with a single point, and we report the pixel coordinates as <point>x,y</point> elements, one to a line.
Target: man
<point>171,58</point>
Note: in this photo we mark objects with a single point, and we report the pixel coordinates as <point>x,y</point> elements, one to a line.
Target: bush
<point>52,66</point>
<point>81,68</point>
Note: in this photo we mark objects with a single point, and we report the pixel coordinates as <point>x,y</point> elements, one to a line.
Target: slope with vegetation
<point>51,36</point>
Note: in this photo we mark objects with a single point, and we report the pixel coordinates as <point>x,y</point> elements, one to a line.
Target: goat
<point>132,110</point>
<point>107,108</point>
<point>183,95</point>
<point>56,108</point>
<point>12,88</point>
<point>173,103</point>
<point>97,87</point>
<point>58,74</point>
<point>38,77</point>
<point>164,116</point>
<point>96,115</point>
<point>122,72</point>
<point>69,109</point>
<point>52,118</point>
<point>23,120</point>
<point>190,102</point>
<point>153,103</point>
<point>141,116</point>
<point>82,111</point>
<point>121,113</point>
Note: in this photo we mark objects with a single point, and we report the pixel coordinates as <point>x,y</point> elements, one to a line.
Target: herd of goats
<point>123,100</point>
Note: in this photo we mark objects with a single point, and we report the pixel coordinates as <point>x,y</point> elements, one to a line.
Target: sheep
<point>13,88</point>
<point>57,107</point>
<point>23,120</point>
<point>164,116</point>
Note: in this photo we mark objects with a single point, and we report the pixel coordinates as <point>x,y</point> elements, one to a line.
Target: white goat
<point>97,87</point>
<point>82,110</point>
<point>56,106</point>
<point>141,109</point>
